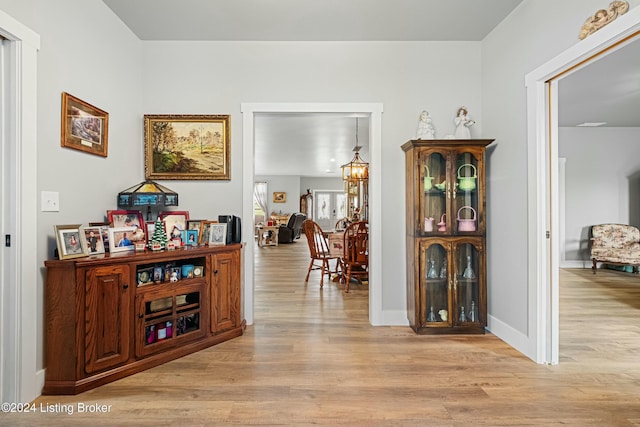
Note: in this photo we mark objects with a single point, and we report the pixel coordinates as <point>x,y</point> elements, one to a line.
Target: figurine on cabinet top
<point>463,123</point>
<point>425,127</point>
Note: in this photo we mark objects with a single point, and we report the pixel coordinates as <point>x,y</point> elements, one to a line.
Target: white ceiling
<point>605,91</point>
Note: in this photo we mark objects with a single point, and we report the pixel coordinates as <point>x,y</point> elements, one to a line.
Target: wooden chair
<point>356,251</point>
<point>319,250</point>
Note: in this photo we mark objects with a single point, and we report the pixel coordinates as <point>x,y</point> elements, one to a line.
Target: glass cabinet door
<point>466,207</point>
<point>433,200</point>
<point>436,301</point>
<point>467,261</point>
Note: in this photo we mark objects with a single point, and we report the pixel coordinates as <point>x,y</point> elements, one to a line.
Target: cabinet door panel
<point>107,317</point>
<point>225,303</point>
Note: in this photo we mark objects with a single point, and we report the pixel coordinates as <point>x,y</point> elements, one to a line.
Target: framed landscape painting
<point>187,147</point>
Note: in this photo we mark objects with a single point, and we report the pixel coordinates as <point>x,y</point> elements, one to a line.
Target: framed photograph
<point>205,228</point>
<point>279,197</point>
<point>84,127</point>
<point>92,240</point>
<point>104,228</point>
<point>120,239</point>
<point>192,238</point>
<point>174,223</point>
<point>218,234</point>
<point>124,218</point>
<point>69,241</point>
<point>187,147</point>
<point>194,224</point>
<point>144,276</point>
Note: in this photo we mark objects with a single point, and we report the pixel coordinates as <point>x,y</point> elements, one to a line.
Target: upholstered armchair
<point>291,231</point>
<point>616,244</point>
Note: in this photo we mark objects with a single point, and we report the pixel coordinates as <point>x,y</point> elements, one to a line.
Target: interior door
<point>329,207</point>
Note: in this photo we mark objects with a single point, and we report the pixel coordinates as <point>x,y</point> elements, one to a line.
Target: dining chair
<point>356,251</point>
<point>318,250</point>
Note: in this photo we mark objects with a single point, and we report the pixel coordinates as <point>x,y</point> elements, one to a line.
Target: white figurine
<point>463,123</point>
<point>425,127</point>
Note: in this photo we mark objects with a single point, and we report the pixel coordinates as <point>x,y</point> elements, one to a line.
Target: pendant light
<point>357,169</point>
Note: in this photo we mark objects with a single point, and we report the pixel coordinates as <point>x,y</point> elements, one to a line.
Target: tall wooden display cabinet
<point>446,236</point>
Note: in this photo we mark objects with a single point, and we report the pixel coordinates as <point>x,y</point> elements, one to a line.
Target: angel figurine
<point>425,127</point>
<point>463,123</point>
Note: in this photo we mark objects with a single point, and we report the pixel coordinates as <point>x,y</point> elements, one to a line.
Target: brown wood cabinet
<point>110,316</point>
<point>446,235</point>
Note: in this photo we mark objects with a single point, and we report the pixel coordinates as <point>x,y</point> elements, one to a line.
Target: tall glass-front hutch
<point>446,240</point>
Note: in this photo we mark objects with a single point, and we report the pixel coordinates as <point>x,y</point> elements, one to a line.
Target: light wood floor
<point>312,359</point>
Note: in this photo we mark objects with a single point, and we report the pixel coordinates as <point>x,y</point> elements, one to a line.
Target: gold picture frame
<point>69,241</point>
<point>279,197</point>
<point>195,147</point>
<point>83,126</point>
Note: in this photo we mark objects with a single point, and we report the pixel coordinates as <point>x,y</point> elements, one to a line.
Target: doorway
<point>20,380</point>
<point>374,112</point>
<point>544,226</point>
<point>330,207</point>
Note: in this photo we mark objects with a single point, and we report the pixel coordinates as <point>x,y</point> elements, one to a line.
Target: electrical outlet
<point>50,201</point>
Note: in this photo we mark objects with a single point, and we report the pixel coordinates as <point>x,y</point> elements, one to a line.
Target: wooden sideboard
<point>110,316</point>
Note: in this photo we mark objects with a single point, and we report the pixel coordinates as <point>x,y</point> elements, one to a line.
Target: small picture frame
<point>69,241</point>
<point>92,240</point>
<point>192,238</point>
<point>194,224</point>
<point>119,239</point>
<point>218,234</point>
<point>144,276</point>
<point>279,197</point>
<point>158,274</point>
<point>149,228</point>
<point>174,218</point>
<point>198,271</point>
<point>126,218</point>
<point>104,229</point>
<point>84,127</point>
<point>205,229</point>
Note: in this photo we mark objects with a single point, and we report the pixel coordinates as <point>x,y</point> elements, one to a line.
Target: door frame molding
<point>374,110</point>
<point>21,382</point>
<point>543,199</point>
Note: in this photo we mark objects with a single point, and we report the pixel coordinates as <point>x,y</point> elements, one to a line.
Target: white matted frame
<point>119,239</point>
<point>218,234</point>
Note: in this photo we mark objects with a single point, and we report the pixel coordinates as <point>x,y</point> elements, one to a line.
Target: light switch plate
<point>50,201</point>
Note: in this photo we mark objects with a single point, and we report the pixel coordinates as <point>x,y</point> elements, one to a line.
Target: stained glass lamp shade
<point>147,193</point>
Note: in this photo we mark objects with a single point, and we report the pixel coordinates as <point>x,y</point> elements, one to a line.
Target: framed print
<point>205,228</point>
<point>104,229</point>
<point>194,224</point>
<point>174,222</point>
<point>218,234</point>
<point>279,197</point>
<point>124,218</point>
<point>120,239</point>
<point>69,241</point>
<point>92,240</point>
<point>187,147</point>
<point>83,126</point>
<point>149,228</point>
<point>192,238</point>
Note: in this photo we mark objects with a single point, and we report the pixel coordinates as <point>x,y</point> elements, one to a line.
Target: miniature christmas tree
<point>159,235</point>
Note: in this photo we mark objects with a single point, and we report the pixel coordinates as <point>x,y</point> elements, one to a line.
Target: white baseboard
<point>576,264</point>
<point>393,318</point>
<point>516,339</point>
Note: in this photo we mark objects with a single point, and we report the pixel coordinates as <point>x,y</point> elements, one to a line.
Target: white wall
<point>289,184</point>
<point>89,53</point>
<point>534,33</point>
<point>601,182</point>
<point>216,77</point>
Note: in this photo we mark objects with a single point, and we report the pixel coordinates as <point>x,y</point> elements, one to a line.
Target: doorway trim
<point>542,130</point>
<point>21,382</point>
<point>374,110</point>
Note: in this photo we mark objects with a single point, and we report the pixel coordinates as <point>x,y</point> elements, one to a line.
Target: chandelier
<point>357,169</point>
